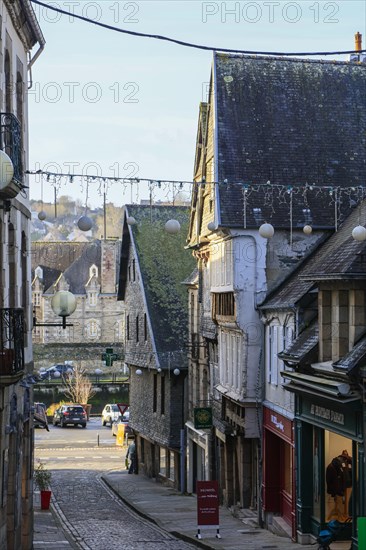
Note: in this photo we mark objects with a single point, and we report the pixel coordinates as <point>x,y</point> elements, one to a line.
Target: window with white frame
<point>92,298</point>
<point>272,359</point>
<point>278,338</point>
<point>221,264</point>
<point>231,358</point>
<point>36,299</point>
<point>92,329</point>
<point>120,329</point>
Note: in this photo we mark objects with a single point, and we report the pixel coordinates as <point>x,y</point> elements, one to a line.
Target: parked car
<point>122,420</point>
<point>110,414</point>
<point>70,414</point>
<point>63,370</point>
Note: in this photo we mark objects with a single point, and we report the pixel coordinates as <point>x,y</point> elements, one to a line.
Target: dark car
<point>69,414</point>
<point>62,370</point>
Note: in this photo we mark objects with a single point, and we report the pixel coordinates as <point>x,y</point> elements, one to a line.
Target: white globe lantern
<point>85,223</point>
<point>6,170</point>
<point>176,372</point>
<point>211,226</point>
<point>42,215</point>
<point>266,230</point>
<point>56,374</point>
<point>307,229</point>
<point>139,372</point>
<point>98,372</point>
<point>359,233</point>
<point>63,304</point>
<point>172,226</point>
<point>131,220</point>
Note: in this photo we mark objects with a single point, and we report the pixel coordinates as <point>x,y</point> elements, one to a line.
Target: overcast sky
<point>118,105</point>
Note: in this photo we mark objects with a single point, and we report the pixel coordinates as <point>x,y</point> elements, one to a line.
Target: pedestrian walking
<point>131,454</point>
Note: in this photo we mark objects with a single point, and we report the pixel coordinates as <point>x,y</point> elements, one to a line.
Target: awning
<point>317,385</point>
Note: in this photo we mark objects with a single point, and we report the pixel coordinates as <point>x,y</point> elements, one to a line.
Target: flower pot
<point>45,500</point>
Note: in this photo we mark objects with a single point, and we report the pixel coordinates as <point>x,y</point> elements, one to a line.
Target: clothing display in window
<point>339,483</point>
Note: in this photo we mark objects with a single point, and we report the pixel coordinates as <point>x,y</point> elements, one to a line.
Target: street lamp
<point>63,304</point>
<point>6,170</point>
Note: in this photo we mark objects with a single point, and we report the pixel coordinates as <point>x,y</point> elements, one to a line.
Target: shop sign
<point>202,418</point>
<point>207,503</point>
<point>345,419</point>
<point>327,414</point>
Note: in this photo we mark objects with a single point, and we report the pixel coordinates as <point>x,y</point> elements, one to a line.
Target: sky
<point>116,105</point>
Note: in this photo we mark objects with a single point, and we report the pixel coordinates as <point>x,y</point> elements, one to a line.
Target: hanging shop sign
<point>202,418</point>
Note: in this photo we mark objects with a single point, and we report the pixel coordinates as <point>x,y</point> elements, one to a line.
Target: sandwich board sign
<point>208,506</point>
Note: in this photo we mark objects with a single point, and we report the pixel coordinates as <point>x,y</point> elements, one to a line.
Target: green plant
<point>42,477</point>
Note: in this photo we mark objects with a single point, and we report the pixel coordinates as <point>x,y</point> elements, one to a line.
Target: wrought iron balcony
<point>11,345</point>
<point>11,143</point>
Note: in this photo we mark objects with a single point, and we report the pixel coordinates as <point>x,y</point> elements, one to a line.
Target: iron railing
<point>11,341</point>
<point>11,142</point>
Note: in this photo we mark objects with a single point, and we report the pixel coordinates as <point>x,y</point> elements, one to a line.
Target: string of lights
<point>284,191</point>
<point>188,44</point>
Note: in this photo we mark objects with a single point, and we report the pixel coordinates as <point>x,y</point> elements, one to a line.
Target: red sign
<point>207,503</point>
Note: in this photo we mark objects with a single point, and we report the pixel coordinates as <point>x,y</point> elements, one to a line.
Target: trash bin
<point>120,435</point>
<point>361,528</point>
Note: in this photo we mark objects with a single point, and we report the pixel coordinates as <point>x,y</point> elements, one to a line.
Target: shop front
<point>278,469</point>
<point>329,465</point>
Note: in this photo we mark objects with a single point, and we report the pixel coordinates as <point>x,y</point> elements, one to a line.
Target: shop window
<point>339,468</point>
<point>171,466</point>
<point>162,461</point>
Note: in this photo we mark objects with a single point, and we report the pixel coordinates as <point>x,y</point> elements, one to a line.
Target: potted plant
<point>42,478</point>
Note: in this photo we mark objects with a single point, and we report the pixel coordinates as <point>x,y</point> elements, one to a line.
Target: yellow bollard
<point>120,435</point>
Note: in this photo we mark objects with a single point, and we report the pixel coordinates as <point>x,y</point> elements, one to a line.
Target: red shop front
<point>278,488</point>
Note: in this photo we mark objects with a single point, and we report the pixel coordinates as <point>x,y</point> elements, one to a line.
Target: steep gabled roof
<point>164,264</point>
<point>77,275</point>
<point>290,122</point>
<point>339,257</point>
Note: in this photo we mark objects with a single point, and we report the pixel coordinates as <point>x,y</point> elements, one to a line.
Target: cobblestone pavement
<point>97,519</point>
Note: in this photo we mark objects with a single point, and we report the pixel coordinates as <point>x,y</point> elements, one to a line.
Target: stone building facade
<point>21,41</point>
<point>89,271</point>
<point>154,264</point>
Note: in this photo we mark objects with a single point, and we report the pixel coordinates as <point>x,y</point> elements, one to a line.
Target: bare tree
<point>79,387</point>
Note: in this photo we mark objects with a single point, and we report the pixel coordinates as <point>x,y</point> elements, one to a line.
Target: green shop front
<point>330,465</point>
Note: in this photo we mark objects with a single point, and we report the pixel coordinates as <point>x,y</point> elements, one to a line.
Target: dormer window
<point>38,272</point>
<point>257,213</point>
<point>307,216</point>
<point>93,271</point>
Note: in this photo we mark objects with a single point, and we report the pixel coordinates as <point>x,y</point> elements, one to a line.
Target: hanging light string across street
<point>331,190</point>
<point>183,43</point>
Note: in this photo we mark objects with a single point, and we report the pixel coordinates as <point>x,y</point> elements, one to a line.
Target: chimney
<point>358,42</point>
<point>358,56</point>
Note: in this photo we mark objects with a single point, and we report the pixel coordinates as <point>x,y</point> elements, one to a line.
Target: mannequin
<point>339,481</point>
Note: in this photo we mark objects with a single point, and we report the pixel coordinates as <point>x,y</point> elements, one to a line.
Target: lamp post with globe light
<point>63,304</point>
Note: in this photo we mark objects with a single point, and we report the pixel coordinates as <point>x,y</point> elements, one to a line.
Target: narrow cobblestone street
<point>98,520</point>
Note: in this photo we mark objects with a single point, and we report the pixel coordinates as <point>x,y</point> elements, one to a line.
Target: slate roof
<point>303,346</point>
<point>50,275</point>
<point>290,122</point>
<point>340,256</point>
<point>77,275</point>
<point>71,259</point>
<point>164,264</point>
<point>353,358</point>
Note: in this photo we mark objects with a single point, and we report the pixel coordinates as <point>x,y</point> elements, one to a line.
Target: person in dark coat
<point>131,454</point>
